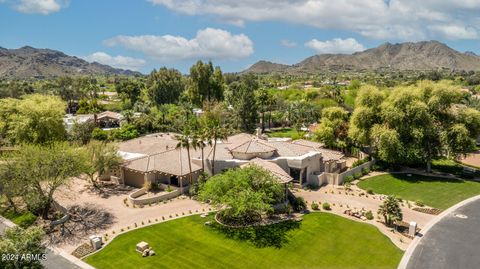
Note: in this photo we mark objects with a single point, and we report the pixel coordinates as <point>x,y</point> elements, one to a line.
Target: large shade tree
<point>18,241</point>
<point>415,124</point>
<point>165,86</point>
<point>42,170</point>
<point>33,119</point>
<point>243,194</point>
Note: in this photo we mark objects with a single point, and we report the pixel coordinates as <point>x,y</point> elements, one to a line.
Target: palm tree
<point>187,141</point>
<point>202,139</point>
<point>390,210</point>
<point>215,132</point>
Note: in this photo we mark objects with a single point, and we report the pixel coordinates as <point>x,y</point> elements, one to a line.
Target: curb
<point>413,245</point>
<point>67,256</point>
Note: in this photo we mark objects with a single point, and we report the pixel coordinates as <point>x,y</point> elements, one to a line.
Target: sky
<point>146,34</point>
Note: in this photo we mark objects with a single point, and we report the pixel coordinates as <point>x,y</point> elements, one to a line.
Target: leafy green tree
<point>64,87</point>
<point>44,169</point>
<point>82,132</point>
<point>22,242</point>
<point>128,88</point>
<point>390,210</point>
<point>415,124</point>
<point>333,127</point>
<point>243,194</point>
<point>32,119</point>
<point>165,86</point>
<point>99,158</point>
<point>301,114</point>
<point>241,97</point>
<point>205,83</point>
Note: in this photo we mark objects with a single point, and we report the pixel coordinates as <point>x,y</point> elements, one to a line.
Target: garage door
<point>133,178</point>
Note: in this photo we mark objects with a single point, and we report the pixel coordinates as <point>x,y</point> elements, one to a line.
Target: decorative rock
<point>151,252</point>
<point>142,246</point>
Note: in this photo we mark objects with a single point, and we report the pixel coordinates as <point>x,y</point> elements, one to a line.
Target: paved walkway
<point>78,193</point>
<point>340,201</point>
<point>451,242</point>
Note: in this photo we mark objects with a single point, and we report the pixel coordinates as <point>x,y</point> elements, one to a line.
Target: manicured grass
<point>23,219</point>
<point>435,192</point>
<point>322,240</point>
<point>287,132</point>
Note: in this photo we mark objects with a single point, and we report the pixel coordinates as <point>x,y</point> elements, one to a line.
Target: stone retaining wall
<point>136,196</point>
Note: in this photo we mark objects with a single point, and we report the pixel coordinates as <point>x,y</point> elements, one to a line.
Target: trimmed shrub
<point>370,191</point>
<point>326,206</point>
<point>357,175</point>
<point>315,206</point>
<point>419,203</point>
<point>298,203</point>
<point>369,215</point>
<point>366,171</point>
<point>349,179</point>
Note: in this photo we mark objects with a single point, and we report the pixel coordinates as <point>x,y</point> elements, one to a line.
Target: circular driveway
<point>452,242</point>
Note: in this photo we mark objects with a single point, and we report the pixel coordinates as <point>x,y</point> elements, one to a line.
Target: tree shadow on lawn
<point>273,235</point>
<point>419,178</point>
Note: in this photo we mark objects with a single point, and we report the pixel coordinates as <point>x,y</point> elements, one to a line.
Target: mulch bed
<point>431,211</point>
<point>83,250</point>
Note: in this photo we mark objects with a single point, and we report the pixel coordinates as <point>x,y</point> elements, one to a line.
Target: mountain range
<point>29,62</point>
<point>425,55</point>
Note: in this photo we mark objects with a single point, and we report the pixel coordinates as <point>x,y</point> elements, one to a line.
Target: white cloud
<point>209,43</point>
<point>43,7</point>
<point>119,61</point>
<point>393,19</point>
<point>288,43</point>
<point>336,45</point>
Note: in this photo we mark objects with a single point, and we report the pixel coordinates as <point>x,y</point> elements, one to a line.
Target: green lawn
<point>322,240</point>
<point>435,192</point>
<point>287,132</point>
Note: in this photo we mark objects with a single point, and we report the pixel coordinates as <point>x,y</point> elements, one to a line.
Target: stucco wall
<point>341,177</point>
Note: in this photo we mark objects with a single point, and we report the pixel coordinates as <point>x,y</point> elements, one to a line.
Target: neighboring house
<point>106,120</point>
<point>155,158</point>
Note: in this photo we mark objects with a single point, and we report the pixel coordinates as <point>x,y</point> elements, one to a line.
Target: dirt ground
<point>472,159</point>
<point>79,192</point>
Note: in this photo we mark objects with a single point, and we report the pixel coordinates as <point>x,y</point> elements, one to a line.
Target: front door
<point>295,174</point>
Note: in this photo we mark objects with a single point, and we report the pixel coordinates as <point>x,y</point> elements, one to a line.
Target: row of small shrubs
<point>360,162</point>
<point>357,175</point>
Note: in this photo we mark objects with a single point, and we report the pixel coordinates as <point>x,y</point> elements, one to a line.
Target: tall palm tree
<point>215,132</point>
<point>187,141</point>
<point>202,139</point>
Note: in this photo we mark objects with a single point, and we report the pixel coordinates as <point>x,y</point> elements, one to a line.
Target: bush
<point>298,203</point>
<point>326,206</point>
<point>359,162</point>
<point>366,171</point>
<point>99,134</point>
<point>25,220</point>
<point>349,179</point>
<point>370,191</point>
<point>419,203</point>
<point>126,132</point>
<point>369,215</point>
<point>315,206</point>
<point>357,175</point>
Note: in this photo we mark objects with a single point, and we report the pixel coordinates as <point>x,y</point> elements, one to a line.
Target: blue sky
<point>147,34</point>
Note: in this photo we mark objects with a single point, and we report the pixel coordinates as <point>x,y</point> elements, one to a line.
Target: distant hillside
<point>426,55</point>
<point>28,62</point>
<point>266,67</point>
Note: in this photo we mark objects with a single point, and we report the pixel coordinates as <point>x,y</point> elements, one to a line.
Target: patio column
<point>301,176</point>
